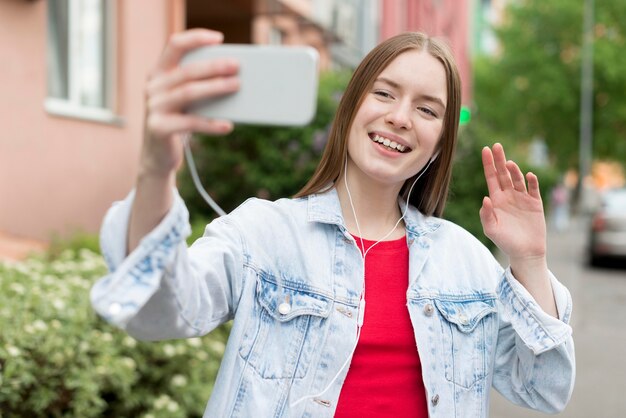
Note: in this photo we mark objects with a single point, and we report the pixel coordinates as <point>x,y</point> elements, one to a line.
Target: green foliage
<point>263,161</point>
<point>533,87</point>
<point>468,186</point>
<point>57,359</point>
<point>74,243</point>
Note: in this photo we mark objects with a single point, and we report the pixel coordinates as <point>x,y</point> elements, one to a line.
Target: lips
<point>388,143</point>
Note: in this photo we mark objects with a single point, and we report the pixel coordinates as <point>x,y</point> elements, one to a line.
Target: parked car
<point>608,228</point>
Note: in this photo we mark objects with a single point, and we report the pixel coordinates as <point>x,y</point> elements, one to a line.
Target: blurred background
<point>546,79</point>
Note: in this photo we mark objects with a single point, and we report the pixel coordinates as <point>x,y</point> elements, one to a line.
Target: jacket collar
<point>325,208</point>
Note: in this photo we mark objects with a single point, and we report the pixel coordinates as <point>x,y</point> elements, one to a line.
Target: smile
<point>389,144</point>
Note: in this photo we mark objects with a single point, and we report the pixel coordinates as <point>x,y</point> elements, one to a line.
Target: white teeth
<point>389,143</point>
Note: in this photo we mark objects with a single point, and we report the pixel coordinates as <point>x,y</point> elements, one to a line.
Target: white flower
<point>17,288</point>
<point>217,346</point>
<point>129,342</point>
<point>106,336</point>
<point>58,304</point>
<point>49,280</point>
<point>169,350</point>
<point>172,406</point>
<point>56,324</point>
<point>39,325</point>
<point>179,380</point>
<point>13,351</point>
<point>162,401</point>
<point>194,342</point>
<point>129,362</point>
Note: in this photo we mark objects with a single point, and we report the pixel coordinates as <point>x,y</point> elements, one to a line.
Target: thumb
<point>487,216</point>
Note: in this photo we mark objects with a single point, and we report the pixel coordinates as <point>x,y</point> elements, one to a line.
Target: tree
<point>532,88</point>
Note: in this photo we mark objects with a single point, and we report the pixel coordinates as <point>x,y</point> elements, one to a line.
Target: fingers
<point>164,125</point>
<point>193,72</point>
<point>504,177</point>
<point>491,175</point>
<point>183,42</point>
<point>172,87</point>
<point>533,186</point>
<point>517,178</point>
<point>178,98</point>
<point>487,216</point>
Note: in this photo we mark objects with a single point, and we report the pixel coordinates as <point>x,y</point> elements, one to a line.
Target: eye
<point>427,111</point>
<point>383,94</point>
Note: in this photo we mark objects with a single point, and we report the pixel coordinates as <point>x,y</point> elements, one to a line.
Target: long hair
<point>431,191</point>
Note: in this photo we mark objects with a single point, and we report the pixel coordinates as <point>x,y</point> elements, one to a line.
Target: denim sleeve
<point>534,364</point>
<point>163,289</point>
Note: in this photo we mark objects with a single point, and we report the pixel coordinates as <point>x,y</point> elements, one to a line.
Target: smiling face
<point>397,127</point>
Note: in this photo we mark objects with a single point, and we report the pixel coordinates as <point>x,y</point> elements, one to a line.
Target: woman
<point>443,321</point>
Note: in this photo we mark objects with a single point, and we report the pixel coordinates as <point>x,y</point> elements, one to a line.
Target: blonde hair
<point>431,191</point>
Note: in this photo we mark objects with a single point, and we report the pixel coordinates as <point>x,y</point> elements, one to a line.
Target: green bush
<point>58,359</point>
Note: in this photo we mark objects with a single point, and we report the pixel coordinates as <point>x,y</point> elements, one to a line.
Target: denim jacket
<point>290,276</point>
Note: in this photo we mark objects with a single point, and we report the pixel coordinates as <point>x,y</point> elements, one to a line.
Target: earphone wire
<point>196,179</point>
<point>361,312</point>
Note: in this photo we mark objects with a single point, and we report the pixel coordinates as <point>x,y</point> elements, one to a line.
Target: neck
<point>376,207</point>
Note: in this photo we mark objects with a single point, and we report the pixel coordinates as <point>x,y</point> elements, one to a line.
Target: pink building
<point>72,78</point>
<point>72,74</point>
<point>448,19</point>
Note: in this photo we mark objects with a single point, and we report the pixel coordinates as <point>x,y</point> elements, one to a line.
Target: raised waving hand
<point>513,218</point>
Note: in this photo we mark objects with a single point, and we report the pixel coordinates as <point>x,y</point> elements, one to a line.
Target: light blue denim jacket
<point>290,275</point>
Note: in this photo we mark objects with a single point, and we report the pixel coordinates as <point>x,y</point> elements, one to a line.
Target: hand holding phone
<point>278,84</point>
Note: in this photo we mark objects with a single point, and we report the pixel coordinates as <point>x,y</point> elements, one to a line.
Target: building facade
<point>73,74</point>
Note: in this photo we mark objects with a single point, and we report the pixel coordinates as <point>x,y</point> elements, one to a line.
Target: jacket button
<point>435,400</point>
<point>428,309</point>
<point>284,308</point>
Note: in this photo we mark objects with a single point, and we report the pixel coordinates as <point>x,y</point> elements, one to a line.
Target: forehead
<point>417,70</point>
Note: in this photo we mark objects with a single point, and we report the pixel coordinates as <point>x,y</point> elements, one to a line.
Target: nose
<point>399,116</point>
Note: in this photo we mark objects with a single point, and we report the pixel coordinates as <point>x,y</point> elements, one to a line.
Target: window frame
<point>71,106</point>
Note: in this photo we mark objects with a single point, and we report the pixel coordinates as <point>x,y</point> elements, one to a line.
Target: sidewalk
<point>15,249</point>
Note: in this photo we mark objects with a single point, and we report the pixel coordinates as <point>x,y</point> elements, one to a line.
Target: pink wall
<point>59,175</point>
<point>448,19</point>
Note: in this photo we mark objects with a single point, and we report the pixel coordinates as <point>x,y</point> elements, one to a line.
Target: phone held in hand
<point>278,84</point>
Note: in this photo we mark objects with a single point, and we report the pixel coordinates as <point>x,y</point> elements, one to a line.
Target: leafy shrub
<point>57,359</point>
<point>75,242</point>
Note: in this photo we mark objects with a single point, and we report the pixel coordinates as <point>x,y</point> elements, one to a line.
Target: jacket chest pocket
<point>468,329</point>
<point>285,327</point>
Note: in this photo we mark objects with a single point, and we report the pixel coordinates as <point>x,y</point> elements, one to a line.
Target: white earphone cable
<point>361,311</point>
<point>196,178</point>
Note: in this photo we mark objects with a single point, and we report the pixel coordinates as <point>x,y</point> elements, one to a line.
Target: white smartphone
<point>278,84</point>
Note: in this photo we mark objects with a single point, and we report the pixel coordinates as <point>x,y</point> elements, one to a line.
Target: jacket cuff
<point>537,329</point>
<point>133,279</point>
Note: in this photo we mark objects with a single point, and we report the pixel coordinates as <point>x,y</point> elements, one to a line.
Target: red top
<point>385,375</point>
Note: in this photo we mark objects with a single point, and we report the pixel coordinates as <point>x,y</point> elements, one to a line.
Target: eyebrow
<point>395,85</point>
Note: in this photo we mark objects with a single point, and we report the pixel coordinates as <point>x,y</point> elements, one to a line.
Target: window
<point>81,63</point>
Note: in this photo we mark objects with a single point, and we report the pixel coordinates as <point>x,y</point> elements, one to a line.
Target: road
<point>599,324</point>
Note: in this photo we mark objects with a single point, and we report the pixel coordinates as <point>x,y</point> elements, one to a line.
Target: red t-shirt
<point>385,375</point>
